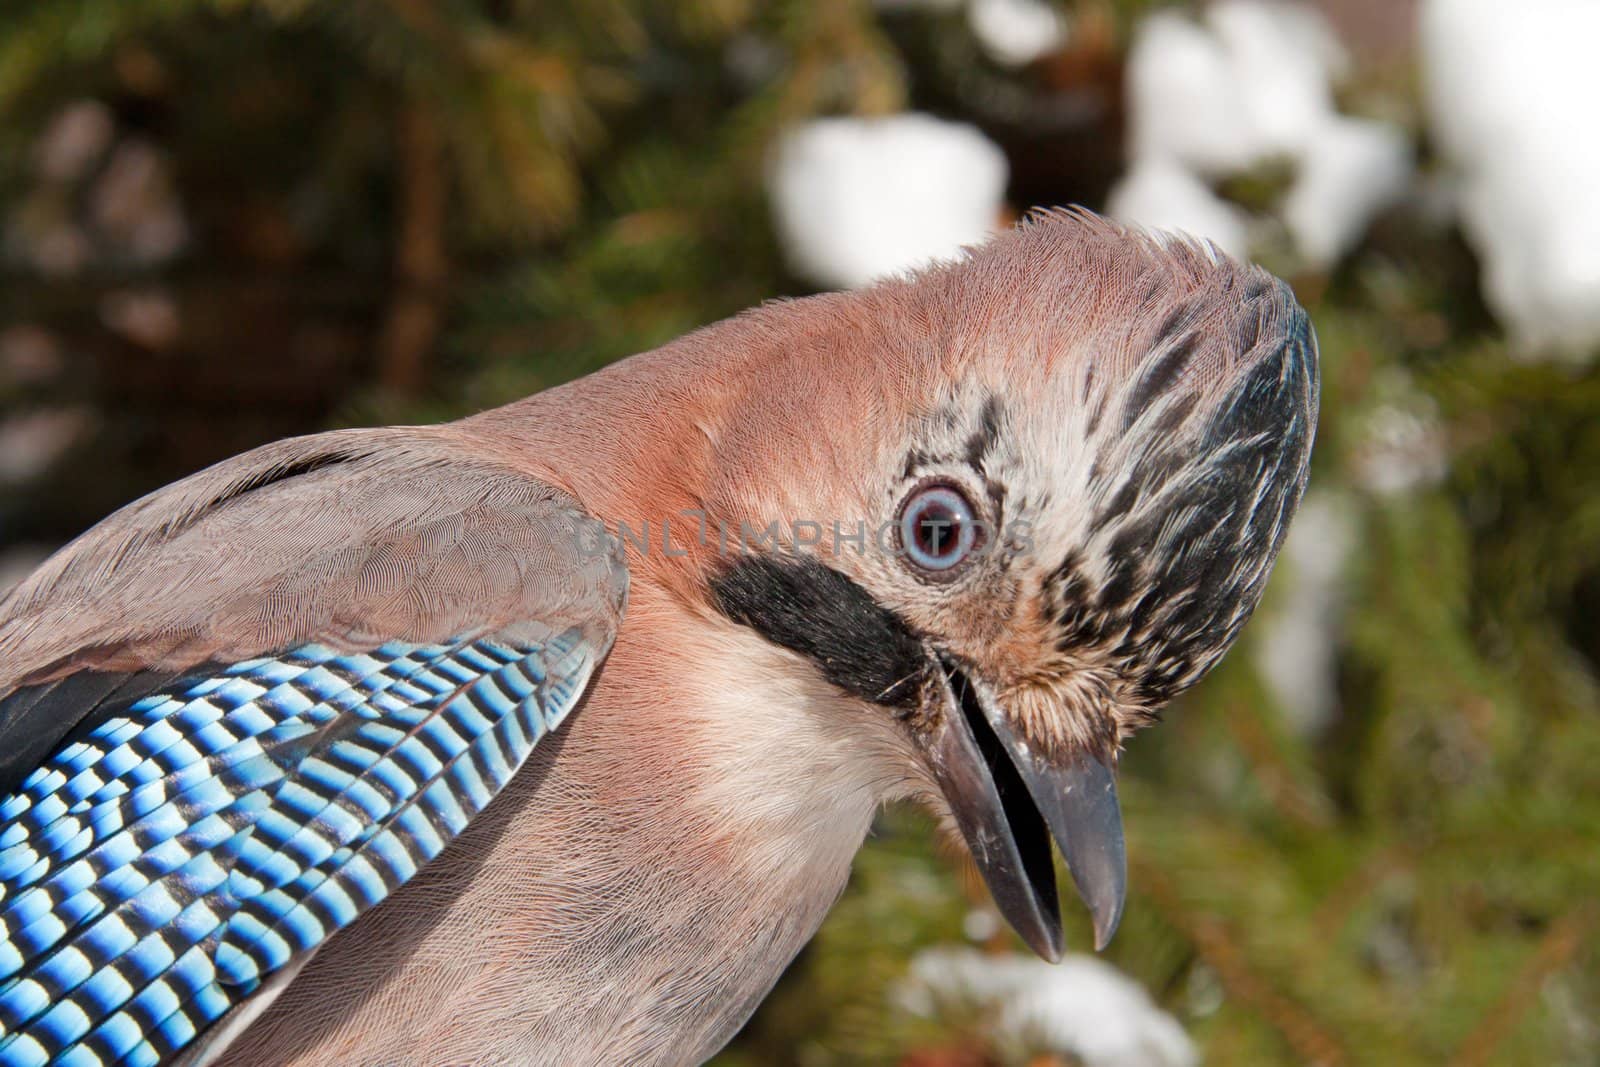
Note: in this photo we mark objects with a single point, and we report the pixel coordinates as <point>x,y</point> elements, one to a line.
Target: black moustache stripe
<point>801,604</point>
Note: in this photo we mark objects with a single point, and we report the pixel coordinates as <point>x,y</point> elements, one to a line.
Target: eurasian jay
<point>548,736</point>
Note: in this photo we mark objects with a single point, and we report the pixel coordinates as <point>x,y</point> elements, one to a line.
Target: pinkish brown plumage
<point>1110,433</point>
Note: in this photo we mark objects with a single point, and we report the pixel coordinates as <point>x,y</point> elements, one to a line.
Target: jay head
<point>954,537</point>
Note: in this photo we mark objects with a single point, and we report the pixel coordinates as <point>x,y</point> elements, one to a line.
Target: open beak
<point>1009,802</point>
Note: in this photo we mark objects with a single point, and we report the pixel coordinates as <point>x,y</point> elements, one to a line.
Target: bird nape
<point>548,735</point>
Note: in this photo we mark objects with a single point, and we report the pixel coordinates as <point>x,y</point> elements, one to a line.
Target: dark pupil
<point>937,530</point>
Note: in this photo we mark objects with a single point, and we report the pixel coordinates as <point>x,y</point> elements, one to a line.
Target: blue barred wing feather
<point>157,870</point>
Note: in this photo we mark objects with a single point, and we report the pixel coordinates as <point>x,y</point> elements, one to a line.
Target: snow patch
<point>1014,33</point>
<point>857,199</point>
<point>1295,652</point>
<point>1510,89</point>
<point>1080,1007</point>
<point>1253,83</point>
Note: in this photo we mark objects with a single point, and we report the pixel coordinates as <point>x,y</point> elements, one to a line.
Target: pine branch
<point>1566,937</point>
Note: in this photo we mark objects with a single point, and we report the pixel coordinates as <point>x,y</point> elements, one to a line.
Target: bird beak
<point>1009,801</point>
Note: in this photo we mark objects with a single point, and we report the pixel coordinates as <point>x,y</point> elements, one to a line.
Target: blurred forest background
<point>1373,836</point>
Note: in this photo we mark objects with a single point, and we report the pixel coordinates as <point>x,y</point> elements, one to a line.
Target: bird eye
<point>937,527</point>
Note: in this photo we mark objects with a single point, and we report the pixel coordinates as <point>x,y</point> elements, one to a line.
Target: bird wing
<point>242,711</point>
